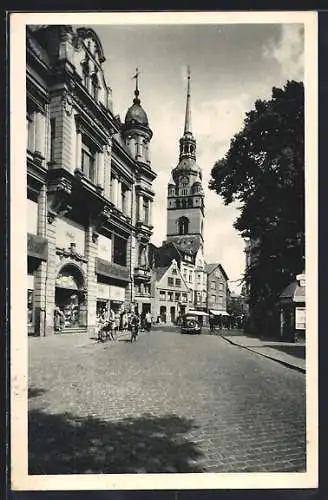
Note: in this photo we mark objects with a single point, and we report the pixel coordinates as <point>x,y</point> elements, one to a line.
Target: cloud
<point>288,51</point>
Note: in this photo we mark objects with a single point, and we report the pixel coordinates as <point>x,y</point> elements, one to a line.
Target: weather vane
<point>135,77</point>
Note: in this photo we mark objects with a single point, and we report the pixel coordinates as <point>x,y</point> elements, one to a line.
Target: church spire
<point>187,128</point>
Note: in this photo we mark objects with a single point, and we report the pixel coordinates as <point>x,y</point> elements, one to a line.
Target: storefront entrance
<point>70,299</point>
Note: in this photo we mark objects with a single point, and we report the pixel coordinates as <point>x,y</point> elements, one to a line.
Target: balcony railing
<point>142,273</point>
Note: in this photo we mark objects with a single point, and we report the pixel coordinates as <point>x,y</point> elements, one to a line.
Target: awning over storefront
<point>219,313</point>
<point>197,313</point>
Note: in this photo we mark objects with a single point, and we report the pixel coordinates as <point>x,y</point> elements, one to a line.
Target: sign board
<point>117,293</point>
<point>104,247</point>
<point>37,246</point>
<point>32,216</point>
<point>30,281</point>
<point>112,270</point>
<point>300,321</point>
<point>68,232</point>
<point>66,281</point>
<point>103,291</point>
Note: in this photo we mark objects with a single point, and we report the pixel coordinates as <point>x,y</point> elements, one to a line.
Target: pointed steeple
<point>187,127</point>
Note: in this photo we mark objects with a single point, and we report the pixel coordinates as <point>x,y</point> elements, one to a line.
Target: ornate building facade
<point>89,180</point>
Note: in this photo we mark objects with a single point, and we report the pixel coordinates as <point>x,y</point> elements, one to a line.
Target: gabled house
<point>169,292</point>
<point>217,288</point>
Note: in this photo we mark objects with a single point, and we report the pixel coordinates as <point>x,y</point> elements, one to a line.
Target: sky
<point>232,65</point>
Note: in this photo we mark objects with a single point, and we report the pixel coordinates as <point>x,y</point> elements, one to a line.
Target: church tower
<point>185,199</point>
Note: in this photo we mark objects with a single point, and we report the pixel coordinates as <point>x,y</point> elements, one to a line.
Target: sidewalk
<point>292,355</point>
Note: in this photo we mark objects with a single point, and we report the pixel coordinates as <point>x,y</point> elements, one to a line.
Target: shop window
<point>170,281</point>
<point>178,282</point>
<point>89,162</point>
<point>120,251</point>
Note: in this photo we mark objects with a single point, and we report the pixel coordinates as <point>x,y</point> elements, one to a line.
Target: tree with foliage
<point>263,172</point>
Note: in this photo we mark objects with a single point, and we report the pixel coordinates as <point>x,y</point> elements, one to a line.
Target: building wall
<point>70,211</point>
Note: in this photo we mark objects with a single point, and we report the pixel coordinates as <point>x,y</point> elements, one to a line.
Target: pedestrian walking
<point>211,322</point>
<point>148,321</point>
<point>59,319</point>
<point>134,326</point>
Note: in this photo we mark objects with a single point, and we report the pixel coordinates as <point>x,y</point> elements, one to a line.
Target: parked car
<point>190,324</point>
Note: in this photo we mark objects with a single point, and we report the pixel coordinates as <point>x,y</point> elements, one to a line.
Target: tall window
<point>120,250</point>
<point>123,199</point>
<point>89,162</point>
<point>94,86</point>
<point>170,281</point>
<point>30,131</point>
<point>177,282</point>
<point>183,225</point>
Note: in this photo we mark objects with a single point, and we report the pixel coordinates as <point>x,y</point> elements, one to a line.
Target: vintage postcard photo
<point>163,250</point>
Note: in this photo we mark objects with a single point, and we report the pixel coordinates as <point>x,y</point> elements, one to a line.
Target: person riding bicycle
<point>134,325</point>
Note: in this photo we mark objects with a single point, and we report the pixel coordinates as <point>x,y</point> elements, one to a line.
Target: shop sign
<point>117,293</point>
<point>66,281</point>
<point>104,247</point>
<point>300,322</point>
<point>103,291</point>
<point>112,270</point>
<point>37,246</point>
<point>30,281</point>
<point>68,232</point>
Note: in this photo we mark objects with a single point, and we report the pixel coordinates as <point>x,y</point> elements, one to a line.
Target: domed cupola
<point>136,115</point>
<point>136,130</point>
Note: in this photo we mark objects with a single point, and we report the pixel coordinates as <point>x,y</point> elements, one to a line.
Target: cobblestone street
<point>167,403</point>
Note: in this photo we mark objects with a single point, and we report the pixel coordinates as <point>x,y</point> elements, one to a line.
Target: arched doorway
<point>70,297</point>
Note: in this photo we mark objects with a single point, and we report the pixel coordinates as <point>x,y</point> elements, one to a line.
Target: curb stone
<point>285,363</point>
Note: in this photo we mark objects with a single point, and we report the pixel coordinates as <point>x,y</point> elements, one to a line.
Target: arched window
<point>183,225</point>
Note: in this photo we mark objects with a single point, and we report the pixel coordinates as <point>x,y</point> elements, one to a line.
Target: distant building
<point>217,288</point>
<point>170,293</point>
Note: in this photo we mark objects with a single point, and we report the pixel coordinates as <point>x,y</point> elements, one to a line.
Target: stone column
<point>100,169</point>
<point>39,294</point>
<point>150,213</point>
<point>40,133</point>
<point>50,286</point>
<point>78,150</point>
<point>128,203</point>
<point>91,254</point>
<point>114,191</point>
<point>107,171</point>
<point>119,195</point>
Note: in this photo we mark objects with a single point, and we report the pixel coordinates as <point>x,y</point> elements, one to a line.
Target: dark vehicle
<point>190,324</point>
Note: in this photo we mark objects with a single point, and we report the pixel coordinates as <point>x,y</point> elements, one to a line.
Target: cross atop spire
<point>187,128</point>
<point>136,100</point>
